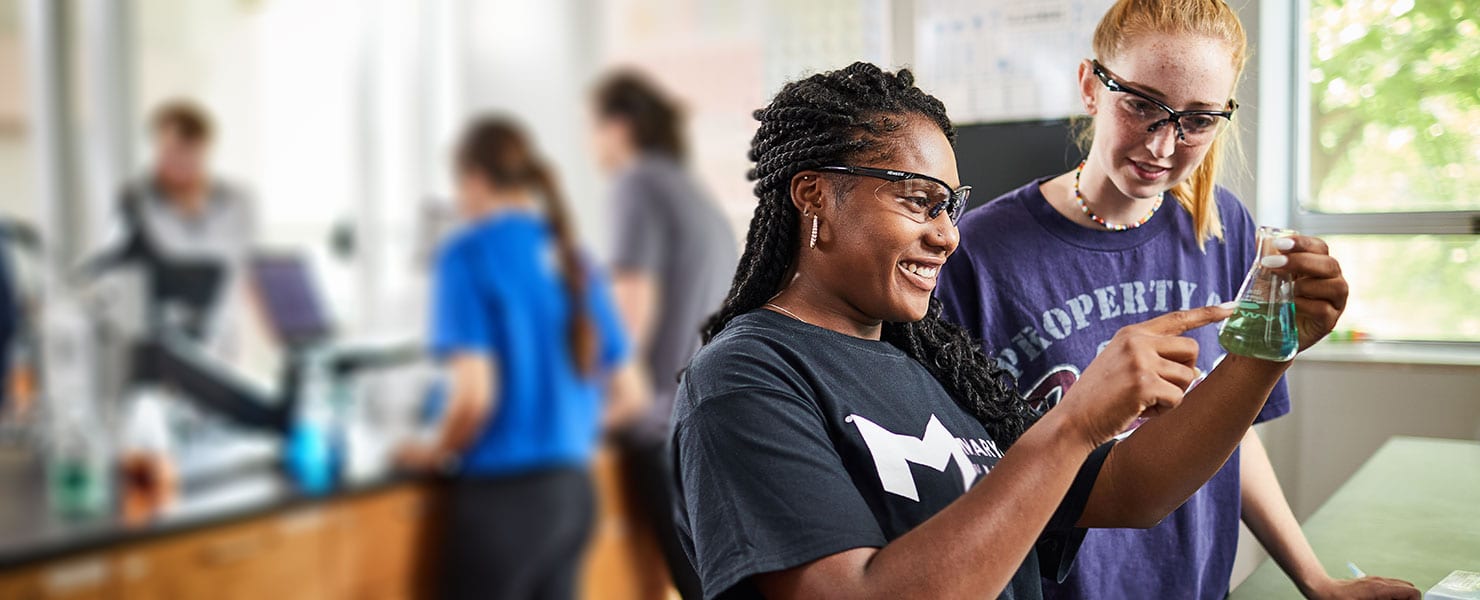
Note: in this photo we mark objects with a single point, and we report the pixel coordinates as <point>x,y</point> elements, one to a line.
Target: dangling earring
<point>814,231</point>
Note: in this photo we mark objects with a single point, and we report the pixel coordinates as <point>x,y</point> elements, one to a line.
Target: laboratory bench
<point>255,536</point>
<point>252,535</point>
<point>1411,512</point>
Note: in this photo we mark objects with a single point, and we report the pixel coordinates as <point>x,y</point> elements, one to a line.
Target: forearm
<point>460,426</point>
<point>973,547</point>
<point>469,403</point>
<point>1268,515</point>
<point>629,396</point>
<point>1170,457</point>
<point>636,295</point>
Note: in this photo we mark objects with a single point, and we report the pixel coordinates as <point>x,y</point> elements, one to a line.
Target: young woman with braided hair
<point>836,438</point>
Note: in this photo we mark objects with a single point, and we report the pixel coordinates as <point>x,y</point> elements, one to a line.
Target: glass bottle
<point>79,444</point>
<point>1263,323</point>
<point>311,445</point>
<point>77,466</point>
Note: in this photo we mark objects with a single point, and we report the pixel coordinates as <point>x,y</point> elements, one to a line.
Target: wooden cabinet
<point>140,574</point>
<point>82,578</point>
<point>225,562</point>
<point>372,546</point>
<point>383,545</point>
<point>279,557</point>
<point>300,554</point>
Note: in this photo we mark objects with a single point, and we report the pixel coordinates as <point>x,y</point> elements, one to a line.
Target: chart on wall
<point>1004,60</point>
<point>809,37</point>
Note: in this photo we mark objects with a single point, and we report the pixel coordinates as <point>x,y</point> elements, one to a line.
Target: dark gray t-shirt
<point>794,442</point>
<point>670,229</point>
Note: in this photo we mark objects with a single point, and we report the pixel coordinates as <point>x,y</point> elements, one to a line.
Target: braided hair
<point>840,117</point>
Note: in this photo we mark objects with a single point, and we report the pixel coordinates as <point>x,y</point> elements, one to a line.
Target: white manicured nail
<point>1273,262</point>
<point>1230,305</point>
<point>1284,244</point>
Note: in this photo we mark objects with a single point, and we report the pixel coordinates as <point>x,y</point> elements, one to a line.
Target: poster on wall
<point>804,38</point>
<point>996,61</point>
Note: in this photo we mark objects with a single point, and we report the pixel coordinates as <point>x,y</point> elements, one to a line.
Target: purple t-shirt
<point>1046,294</point>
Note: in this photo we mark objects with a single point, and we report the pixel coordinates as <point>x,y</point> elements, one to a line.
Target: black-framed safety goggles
<point>921,196</point>
<point>1194,127</point>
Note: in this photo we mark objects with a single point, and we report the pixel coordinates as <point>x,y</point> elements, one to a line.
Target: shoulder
<point>231,190</point>
<point>742,382</point>
<point>748,354</point>
<point>746,344</point>
<point>1228,202</point>
<point>461,243</point>
<point>646,173</point>
<point>999,213</point>
<point>135,189</point>
<point>999,227</point>
<point>231,199</point>
<point>1237,222</point>
<point>658,179</point>
<point>461,239</point>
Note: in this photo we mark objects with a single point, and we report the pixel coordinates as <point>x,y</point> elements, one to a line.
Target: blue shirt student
<point>498,291</point>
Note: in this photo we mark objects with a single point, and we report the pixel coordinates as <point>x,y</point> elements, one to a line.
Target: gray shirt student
<point>222,232</point>
<point>669,228</point>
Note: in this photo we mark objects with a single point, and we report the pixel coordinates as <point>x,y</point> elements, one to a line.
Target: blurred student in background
<point>178,214</point>
<point>529,337</point>
<point>671,263</point>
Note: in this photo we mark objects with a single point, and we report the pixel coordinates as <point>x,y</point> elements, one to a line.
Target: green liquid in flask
<point>1262,330</point>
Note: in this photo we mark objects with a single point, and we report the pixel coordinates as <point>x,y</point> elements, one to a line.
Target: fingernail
<point>1284,244</point>
<point>1273,262</point>
<point>1230,305</point>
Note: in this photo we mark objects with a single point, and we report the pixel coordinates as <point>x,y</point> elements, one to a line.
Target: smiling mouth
<point>1149,169</point>
<point>921,274</point>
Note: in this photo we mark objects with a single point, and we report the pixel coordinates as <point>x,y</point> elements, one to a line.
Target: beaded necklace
<point>1084,206</point>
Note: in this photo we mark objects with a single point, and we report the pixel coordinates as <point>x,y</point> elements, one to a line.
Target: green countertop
<point>1411,512</point>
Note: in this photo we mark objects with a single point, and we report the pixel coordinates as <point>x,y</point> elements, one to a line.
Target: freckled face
<point>1186,72</point>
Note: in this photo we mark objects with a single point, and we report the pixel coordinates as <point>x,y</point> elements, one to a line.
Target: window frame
<point>1282,185</point>
<point>1462,222</point>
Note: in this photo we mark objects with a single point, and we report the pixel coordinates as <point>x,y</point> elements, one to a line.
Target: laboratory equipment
<point>1263,321</point>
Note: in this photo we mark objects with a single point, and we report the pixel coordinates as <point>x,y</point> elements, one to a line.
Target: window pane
<point>1421,287</point>
<point>1395,105</point>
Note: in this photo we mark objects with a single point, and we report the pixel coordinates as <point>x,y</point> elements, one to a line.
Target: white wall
<point>534,61</point>
<point>18,199</point>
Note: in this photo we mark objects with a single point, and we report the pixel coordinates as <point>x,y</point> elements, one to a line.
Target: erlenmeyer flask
<point>1263,323</point>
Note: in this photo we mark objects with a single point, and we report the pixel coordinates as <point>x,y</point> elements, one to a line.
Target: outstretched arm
<point>1170,457</point>
<point>471,377</point>
<point>973,547</point>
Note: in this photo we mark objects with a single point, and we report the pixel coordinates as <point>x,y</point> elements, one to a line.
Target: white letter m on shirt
<point>893,454</point>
